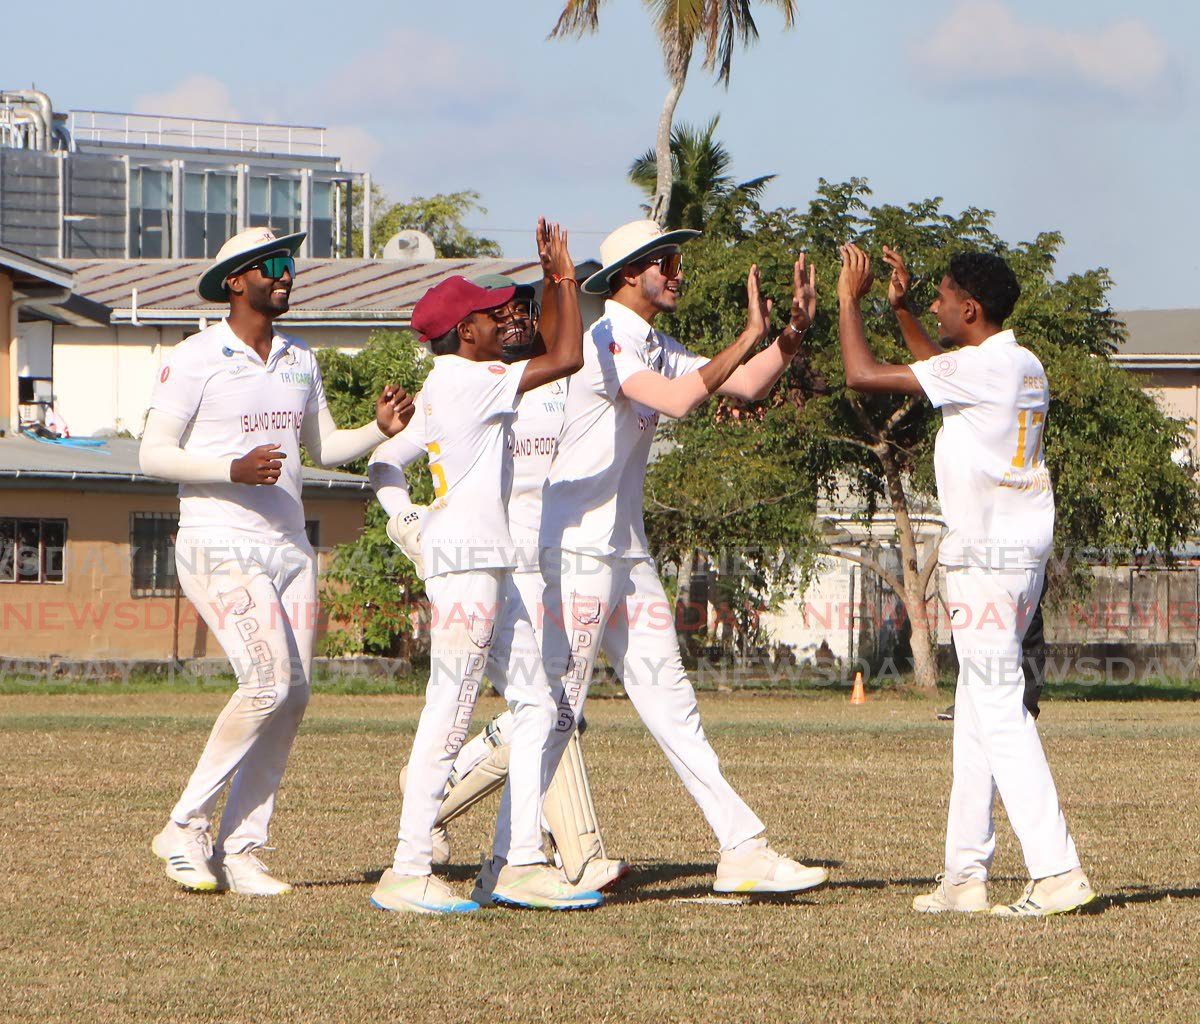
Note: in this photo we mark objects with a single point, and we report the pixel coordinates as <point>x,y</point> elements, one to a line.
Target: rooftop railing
<point>108,126</point>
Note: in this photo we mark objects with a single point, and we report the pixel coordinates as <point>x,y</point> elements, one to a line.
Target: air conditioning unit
<point>410,247</point>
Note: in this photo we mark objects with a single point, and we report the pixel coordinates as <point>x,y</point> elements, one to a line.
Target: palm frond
<point>577,18</point>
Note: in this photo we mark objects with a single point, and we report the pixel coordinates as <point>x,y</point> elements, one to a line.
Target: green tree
<point>701,183</point>
<point>370,586</point>
<point>717,25</point>
<point>1109,447</point>
<point>440,216</point>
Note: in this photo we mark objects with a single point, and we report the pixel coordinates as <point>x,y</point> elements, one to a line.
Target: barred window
<point>33,550</point>
<point>152,553</point>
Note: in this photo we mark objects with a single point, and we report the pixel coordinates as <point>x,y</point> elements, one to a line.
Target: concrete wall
<point>92,615</point>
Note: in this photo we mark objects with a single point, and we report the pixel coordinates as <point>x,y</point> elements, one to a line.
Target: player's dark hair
<point>989,280</point>
<point>447,344</point>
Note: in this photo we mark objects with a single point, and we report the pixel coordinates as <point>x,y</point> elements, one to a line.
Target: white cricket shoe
<point>1058,894</point>
<point>966,897</point>
<point>601,872</point>
<point>441,846</point>
<point>753,867</point>
<point>186,852</point>
<point>418,894</point>
<point>540,887</point>
<point>245,874</point>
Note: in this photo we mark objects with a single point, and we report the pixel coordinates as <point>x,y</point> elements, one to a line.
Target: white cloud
<point>358,147</point>
<point>195,96</point>
<point>984,43</point>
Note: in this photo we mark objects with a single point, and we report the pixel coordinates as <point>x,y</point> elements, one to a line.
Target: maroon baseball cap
<point>450,302</point>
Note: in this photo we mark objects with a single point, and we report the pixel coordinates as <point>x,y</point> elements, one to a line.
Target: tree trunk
<point>677,67</point>
<point>923,651</point>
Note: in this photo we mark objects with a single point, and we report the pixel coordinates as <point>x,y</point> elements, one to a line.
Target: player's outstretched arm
<point>160,455</point>
<point>678,396</point>
<point>915,336</point>
<point>753,381</point>
<point>328,446</point>
<point>863,371</point>
<point>564,335</point>
<point>406,519</point>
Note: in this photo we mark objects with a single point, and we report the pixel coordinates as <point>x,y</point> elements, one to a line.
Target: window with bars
<point>33,550</point>
<point>152,553</point>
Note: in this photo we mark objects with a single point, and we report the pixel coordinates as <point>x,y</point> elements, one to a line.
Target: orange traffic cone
<point>858,695</point>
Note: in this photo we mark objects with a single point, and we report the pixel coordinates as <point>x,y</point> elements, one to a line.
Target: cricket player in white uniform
<point>231,408</point>
<point>467,556</point>
<point>602,589</point>
<point>998,505</point>
<point>481,766</point>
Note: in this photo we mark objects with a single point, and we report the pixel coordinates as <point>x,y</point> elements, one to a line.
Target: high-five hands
<point>804,304</point>
<point>553,252</point>
<point>758,309</point>
<point>855,279</point>
<point>900,281</point>
<point>393,409</point>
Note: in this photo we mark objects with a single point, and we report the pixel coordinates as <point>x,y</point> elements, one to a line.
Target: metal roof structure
<point>1160,339</point>
<point>47,290</point>
<point>335,292</point>
<point>113,464</point>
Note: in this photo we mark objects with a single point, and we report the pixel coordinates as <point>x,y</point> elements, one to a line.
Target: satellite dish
<point>409,247</point>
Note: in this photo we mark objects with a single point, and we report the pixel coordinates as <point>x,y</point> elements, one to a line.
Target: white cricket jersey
<point>234,403</point>
<point>532,442</point>
<point>991,476</point>
<point>467,409</point>
<point>593,499</point>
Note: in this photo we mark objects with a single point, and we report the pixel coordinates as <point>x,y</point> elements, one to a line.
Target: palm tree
<point>681,24</point>
<point>699,182</point>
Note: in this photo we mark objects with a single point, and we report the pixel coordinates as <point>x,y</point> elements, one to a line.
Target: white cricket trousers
<point>470,612</point>
<point>996,743</point>
<point>258,596</point>
<point>617,605</point>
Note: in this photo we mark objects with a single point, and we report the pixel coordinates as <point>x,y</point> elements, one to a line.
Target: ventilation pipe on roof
<point>38,110</point>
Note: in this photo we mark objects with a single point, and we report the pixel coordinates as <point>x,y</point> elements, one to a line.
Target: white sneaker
<point>1058,894</point>
<point>754,867</point>
<point>540,887</point>
<point>966,897</point>
<point>244,873</point>
<point>601,872</point>
<point>441,846</point>
<point>186,852</point>
<point>418,894</point>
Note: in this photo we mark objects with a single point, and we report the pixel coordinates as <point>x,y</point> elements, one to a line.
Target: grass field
<point>92,931</point>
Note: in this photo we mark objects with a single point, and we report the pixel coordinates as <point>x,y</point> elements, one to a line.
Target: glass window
<point>152,553</point>
<point>220,211</point>
<point>193,216</point>
<point>32,550</point>
<point>149,213</point>
<point>320,234</point>
<point>312,527</point>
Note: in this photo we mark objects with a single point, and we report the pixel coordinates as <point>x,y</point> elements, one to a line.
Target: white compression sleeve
<point>328,447</point>
<point>386,471</point>
<point>161,456</point>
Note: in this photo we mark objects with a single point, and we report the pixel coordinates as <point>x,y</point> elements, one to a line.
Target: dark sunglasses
<point>274,267</point>
<point>669,264</point>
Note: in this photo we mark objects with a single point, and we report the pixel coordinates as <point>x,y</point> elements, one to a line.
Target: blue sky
<point>1072,116</point>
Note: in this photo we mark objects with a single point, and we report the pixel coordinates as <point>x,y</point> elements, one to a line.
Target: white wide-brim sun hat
<point>629,243</point>
<point>243,249</point>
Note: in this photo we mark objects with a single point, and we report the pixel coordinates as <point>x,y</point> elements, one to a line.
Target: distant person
<point>998,505</point>
<point>231,408</point>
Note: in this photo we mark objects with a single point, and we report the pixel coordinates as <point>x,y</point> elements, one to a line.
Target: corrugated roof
<point>22,458</point>
<point>1161,332</point>
<point>373,291</point>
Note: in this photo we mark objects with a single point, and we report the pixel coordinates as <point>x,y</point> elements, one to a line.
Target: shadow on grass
<point>1135,894</point>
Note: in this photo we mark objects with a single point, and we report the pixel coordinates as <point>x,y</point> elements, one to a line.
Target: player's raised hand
<point>553,251</point>
<point>260,465</point>
<point>855,279</point>
<point>758,309</point>
<point>900,280</point>
<point>804,295</point>
<point>393,409</point>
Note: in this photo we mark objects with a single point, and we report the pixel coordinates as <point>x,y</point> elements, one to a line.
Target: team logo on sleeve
<point>166,372</point>
<point>614,348</point>
<point>944,366</point>
<point>585,610</point>
<point>496,369</point>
